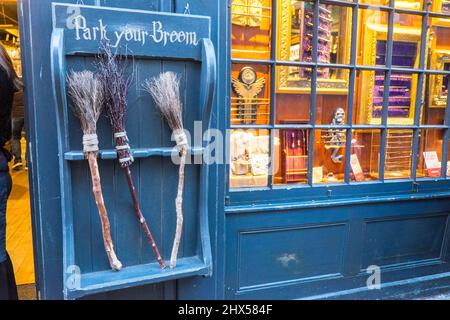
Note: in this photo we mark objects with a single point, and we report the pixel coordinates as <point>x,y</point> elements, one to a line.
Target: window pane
<point>293,95</point>
<point>430,153</point>
<point>399,4</point>
<point>251,31</point>
<point>365,160</point>
<point>441,6</point>
<point>436,91</point>
<point>329,155</point>
<point>291,156</point>
<point>331,96</point>
<point>363,97</point>
<point>250,158</point>
<point>398,154</point>
<point>372,35</point>
<point>402,97</point>
<point>250,94</point>
<point>439,60</point>
<point>296,40</point>
<point>407,36</point>
<point>409,4</point>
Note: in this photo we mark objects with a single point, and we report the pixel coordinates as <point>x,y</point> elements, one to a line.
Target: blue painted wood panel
<point>403,240</point>
<point>277,255</point>
<point>326,250</point>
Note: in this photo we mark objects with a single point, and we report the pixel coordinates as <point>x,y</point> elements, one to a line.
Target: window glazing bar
<point>351,92</point>
<point>418,102</point>
<point>273,91</point>
<point>314,92</point>
<point>445,139</point>
<point>387,84</point>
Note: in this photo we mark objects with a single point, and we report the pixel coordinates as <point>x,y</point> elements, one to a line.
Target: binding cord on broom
<point>181,140</point>
<point>90,143</point>
<point>124,150</point>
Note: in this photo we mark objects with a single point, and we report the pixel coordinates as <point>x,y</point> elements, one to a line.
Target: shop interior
<point>18,235</point>
<point>252,96</point>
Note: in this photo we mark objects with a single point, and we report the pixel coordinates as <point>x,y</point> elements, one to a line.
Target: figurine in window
<point>247,13</point>
<point>248,87</point>
<point>337,136</point>
<point>239,150</point>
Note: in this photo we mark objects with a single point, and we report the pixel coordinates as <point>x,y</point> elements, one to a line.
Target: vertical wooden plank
<point>81,185</point>
<point>192,113</point>
<point>109,180</point>
<point>129,235</point>
<point>81,213</point>
<point>170,171</point>
<point>151,169</point>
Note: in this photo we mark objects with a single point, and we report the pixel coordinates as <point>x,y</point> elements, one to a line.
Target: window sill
<point>304,197</point>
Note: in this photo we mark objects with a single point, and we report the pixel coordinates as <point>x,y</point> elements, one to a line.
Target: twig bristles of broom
<point>87,95</point>
<point>165,90</point>
<point>112,75</point>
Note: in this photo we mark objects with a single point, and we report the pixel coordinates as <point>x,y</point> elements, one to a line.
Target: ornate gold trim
<point>438,59</point>
<point>287,84</point>
<point>373,33</point>
<point>284,40</point>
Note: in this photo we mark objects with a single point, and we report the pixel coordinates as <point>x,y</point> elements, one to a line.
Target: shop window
<point>429,162</point>
<point>372,30</point>
<point>398,159</point>
<point>441,6</point>
<point>296,43</point>
<point>294,90</point>
<point>329,154</point>
<point>352,93</point>
<point>250,158</point>
<point>365,155</point>
<point>291,156</point>
<point>252,28</point>
<point>250,98</point>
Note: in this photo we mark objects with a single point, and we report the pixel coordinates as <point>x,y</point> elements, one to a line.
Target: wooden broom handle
<point>116,265</point>
<point>140,217</point>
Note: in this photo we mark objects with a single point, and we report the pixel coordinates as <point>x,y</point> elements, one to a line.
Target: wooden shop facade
<point>337,124</point>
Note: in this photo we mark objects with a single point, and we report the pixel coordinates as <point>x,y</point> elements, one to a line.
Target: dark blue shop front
<point>337,208</point>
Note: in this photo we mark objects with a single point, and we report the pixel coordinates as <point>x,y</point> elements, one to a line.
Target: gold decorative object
<point>247,13</point>
<point>248,87</point>
<point>438,96</point>
<point>289,49</point>
<point>374,32</point>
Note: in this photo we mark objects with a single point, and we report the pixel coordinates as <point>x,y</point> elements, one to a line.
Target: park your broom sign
<point>131,30</point>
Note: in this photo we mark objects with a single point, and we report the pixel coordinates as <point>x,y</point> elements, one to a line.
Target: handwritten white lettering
<point>155,32</point>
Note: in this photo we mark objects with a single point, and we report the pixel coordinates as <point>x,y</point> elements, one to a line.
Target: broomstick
<point>112,75</point>
<point>165,90</point>
<point>87,96</point>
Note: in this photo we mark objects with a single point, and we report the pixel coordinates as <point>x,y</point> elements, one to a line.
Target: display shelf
<point>98,282</point>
